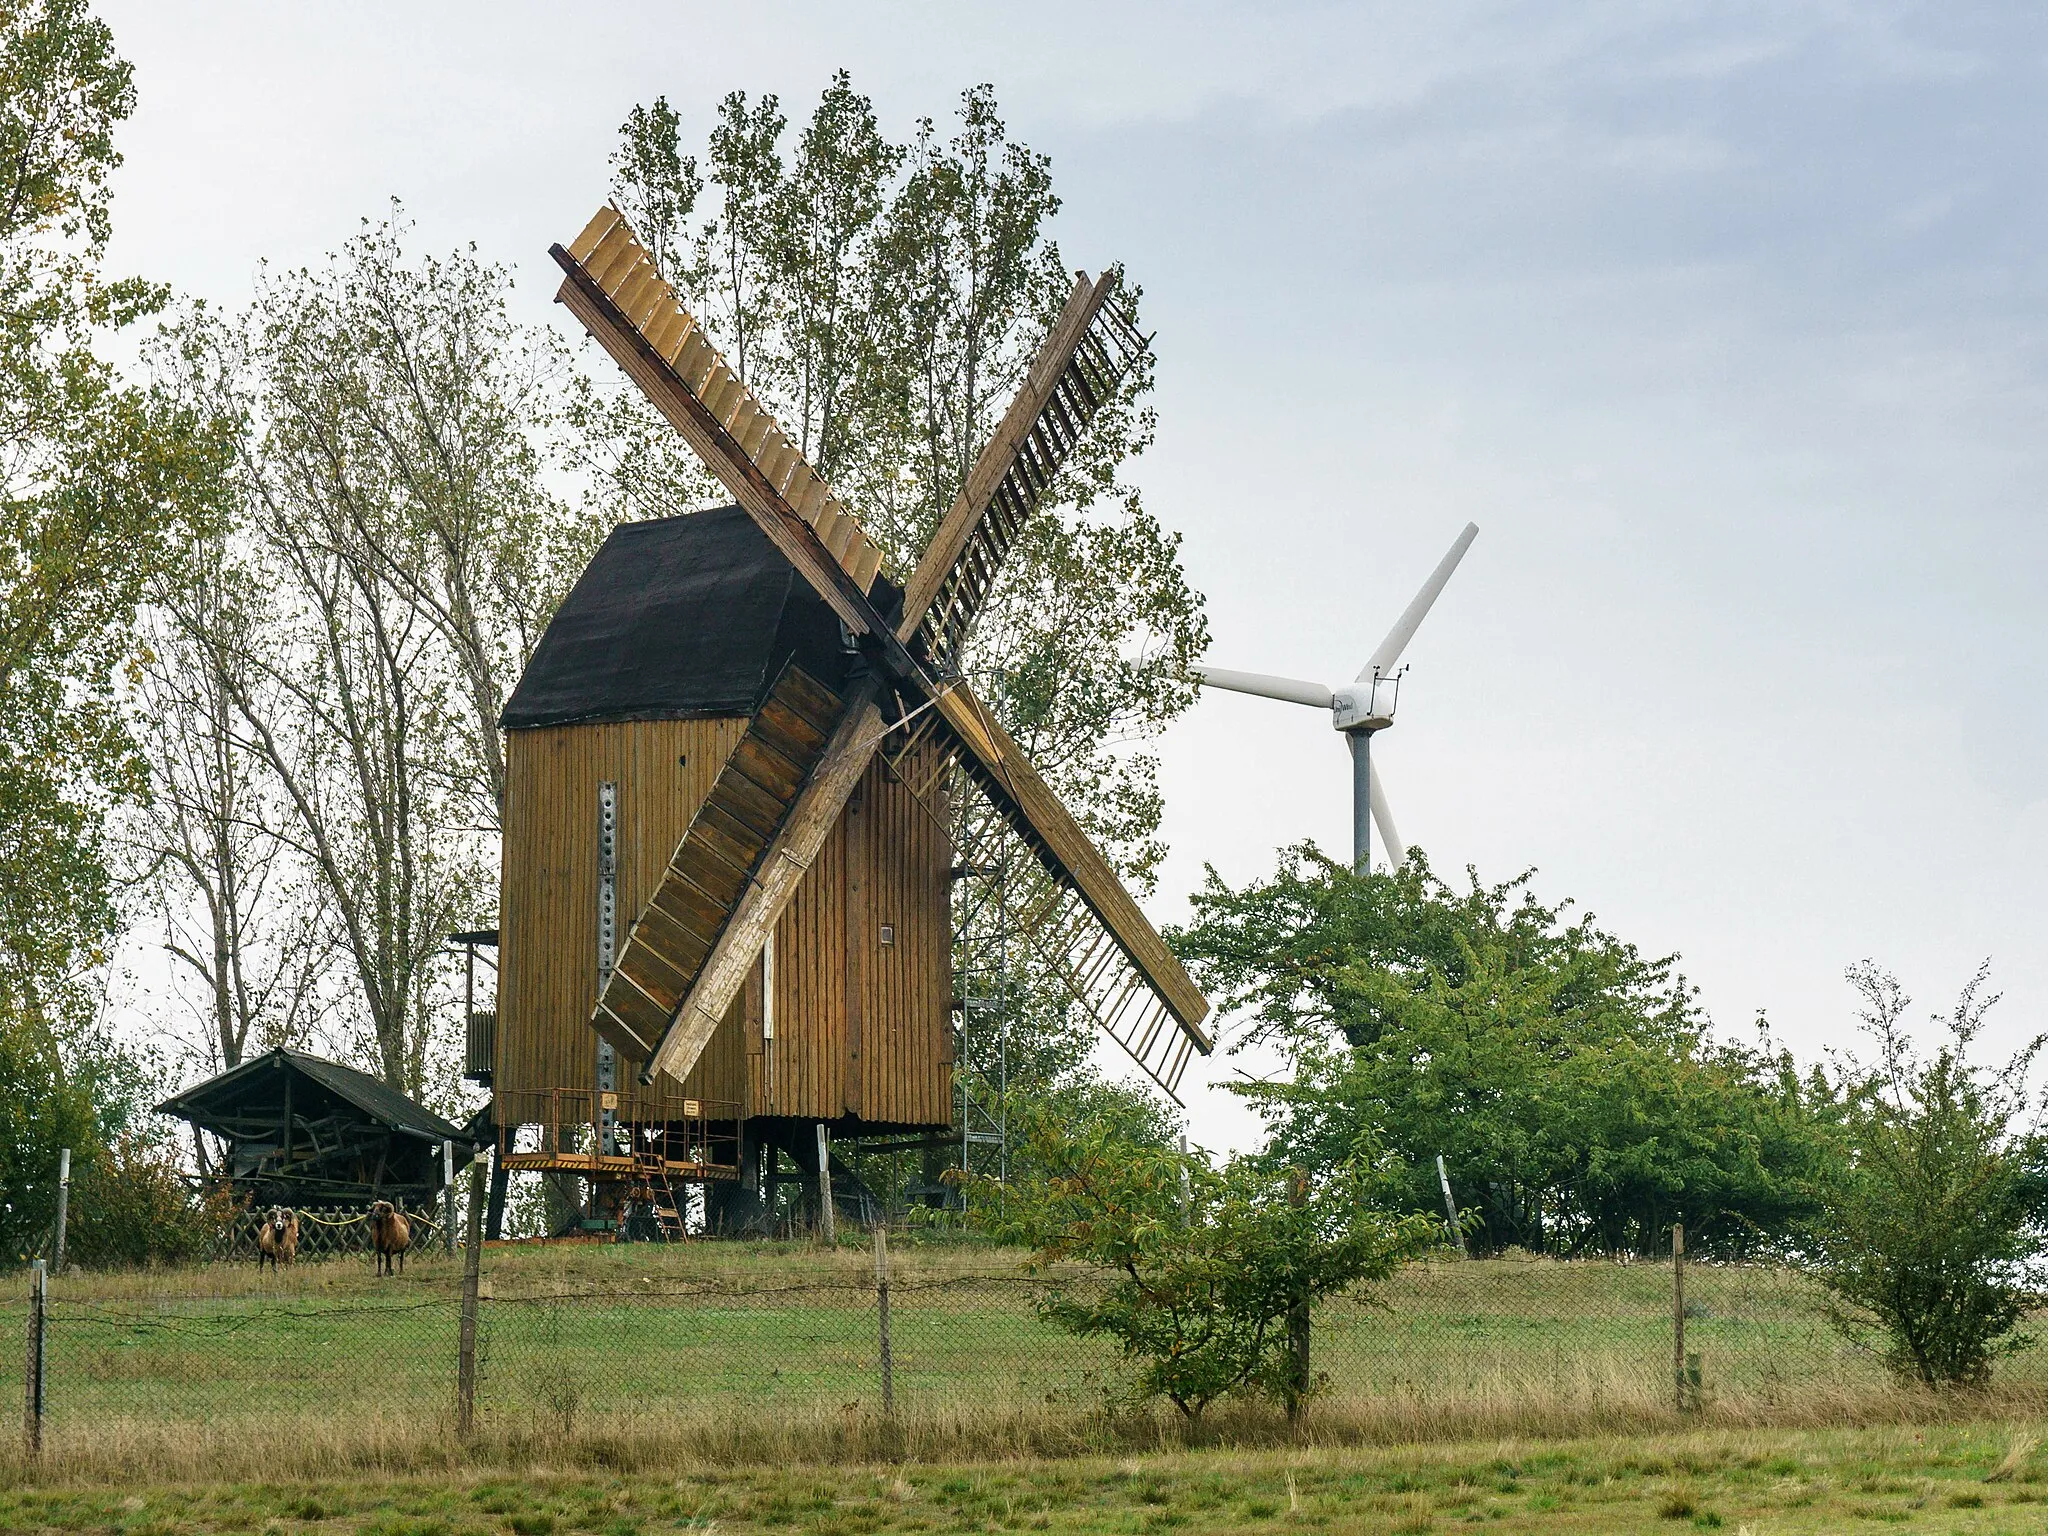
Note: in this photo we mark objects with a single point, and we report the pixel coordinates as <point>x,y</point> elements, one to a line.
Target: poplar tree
<point>102,482</point>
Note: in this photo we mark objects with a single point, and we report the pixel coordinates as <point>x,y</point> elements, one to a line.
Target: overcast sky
<point>1725,323</point>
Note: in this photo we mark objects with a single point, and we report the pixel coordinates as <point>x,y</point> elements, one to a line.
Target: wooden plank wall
<point>905,1052</point>
<point>548,894</point>
<point>862,1028</point>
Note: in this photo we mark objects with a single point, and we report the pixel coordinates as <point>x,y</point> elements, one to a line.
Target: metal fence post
<point>825,1212</point>
<point>882,1306</point>
<point>448,1194</point>
<point>472,1266</point>
<point>38,1360</point>
<point>63,1207</point>
<point>1678,1314</point>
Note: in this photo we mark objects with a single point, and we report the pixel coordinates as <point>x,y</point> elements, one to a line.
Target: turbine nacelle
<point>1365,706</point>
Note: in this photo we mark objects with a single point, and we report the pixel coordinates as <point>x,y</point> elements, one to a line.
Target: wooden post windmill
<point>729,771</point>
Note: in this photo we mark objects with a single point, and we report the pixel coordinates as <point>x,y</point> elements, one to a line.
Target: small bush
<point>1204,1265</point>
<point>131,1208</point>
<point>1933,1239</point>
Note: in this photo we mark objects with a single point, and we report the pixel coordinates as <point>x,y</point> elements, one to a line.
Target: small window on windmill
<point>889,933</point>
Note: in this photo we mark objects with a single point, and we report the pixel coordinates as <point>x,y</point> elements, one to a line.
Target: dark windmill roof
<point>258,1084</point>
<point>678,618</point>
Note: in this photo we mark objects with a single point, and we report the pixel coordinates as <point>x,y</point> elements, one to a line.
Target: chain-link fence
<point>718,1337</point>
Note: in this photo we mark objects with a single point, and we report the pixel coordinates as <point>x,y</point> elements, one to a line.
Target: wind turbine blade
<point>1289,689</point>
<point>1383,818</point>
<point>1383,659</point>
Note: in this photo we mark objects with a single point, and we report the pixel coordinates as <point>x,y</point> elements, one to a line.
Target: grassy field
<point>767,1353</point>
<point>1972,1478</point>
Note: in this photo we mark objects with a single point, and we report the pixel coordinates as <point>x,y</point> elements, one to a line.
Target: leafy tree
<point>1569,1082</point>
<point>99,483</point>
<point>1933,1235</point>
<point>396,551</point>
<point>43,1108</point>
<point>1200,1267</point>
<point>132,1208</point>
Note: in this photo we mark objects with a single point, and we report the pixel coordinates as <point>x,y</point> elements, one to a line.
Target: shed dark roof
<point>251,1083</point>
<point>678,618</point>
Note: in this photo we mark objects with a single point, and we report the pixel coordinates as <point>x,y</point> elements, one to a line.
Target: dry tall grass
<point>314,1445</point>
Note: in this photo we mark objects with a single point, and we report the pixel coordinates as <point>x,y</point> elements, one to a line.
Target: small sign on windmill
<point>752,679</point>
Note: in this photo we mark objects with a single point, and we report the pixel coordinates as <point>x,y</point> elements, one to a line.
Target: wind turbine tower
<point>1365,706</point>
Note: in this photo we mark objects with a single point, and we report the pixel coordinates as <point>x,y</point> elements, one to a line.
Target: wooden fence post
<point>1678,1313</point>
<point>472,1266</point>
<point>63,1209</point>
<point>1297,1319</point>
<point>37,1362</point>
<point>888,1359</point>
<point>826,1225</point>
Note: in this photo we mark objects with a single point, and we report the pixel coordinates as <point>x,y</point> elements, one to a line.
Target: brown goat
<point>390,1236</point>
<point>278,1238</point>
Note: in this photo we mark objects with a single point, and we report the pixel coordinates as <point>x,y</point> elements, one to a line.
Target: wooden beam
<point>854,869</point>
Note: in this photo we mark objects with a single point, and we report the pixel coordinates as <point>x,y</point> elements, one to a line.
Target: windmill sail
<point>723,850</point>
<point>1076,916</point>
<point>1078,369</point>
<point>611,285</point>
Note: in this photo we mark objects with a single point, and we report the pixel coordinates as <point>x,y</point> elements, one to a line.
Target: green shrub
<point>42,1110</point>
<point>1203,1265</point>
<point>131,1208</point>
<point>1933,1237</point>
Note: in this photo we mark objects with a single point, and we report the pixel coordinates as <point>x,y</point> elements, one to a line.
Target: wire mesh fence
<point>701,1333</point>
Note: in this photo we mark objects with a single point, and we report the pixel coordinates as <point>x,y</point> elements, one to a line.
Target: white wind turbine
<point>1367,705</point>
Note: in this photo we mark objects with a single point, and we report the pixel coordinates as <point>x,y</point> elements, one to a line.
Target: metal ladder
<point>667,1206</point>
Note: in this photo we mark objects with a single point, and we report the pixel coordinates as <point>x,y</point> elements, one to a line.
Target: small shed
<point>301,1130</point>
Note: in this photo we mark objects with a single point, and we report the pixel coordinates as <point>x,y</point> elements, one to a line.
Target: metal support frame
<point>981,1067</point>
<point>607,951</point>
